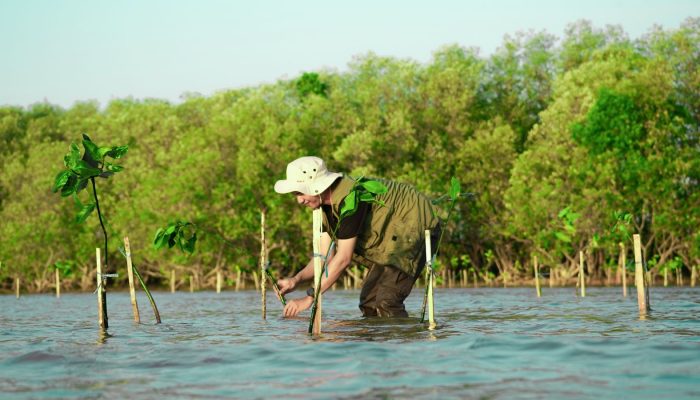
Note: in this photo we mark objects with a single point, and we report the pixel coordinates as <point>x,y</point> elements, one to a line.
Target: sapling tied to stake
<point>81,170</point>
<point>453,195</point>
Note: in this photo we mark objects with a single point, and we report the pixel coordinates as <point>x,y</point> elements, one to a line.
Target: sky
<point>64,51</point>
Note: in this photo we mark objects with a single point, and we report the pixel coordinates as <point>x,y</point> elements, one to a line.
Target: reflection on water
<point>489,343</point>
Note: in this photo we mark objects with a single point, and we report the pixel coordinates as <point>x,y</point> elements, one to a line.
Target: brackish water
<point>490,343</point>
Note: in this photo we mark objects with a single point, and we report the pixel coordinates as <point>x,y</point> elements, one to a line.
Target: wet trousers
<point>386,287</point>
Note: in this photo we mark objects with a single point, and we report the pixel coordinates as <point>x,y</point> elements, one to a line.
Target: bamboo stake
<point>537,276</point>
<point>58,283</point>
<point>263,266</point>
<point>318,269</point>
<point>172,281</point>
<point>238,279</point>
<point>17,287</point>
<point>191,284</point>
<point>693,276</point>
<point>218,281</point>
<point>101,295</point>
<point>582,274</point>
<point>639,277</point>
<point>431,281</point>
<point>623,264</point>
<point>130,274</point>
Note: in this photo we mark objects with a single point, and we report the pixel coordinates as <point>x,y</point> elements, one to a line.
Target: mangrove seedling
<point>79,171</point>
<point>453,195</point>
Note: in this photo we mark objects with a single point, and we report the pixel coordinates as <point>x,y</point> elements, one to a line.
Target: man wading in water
<point>388,239</point>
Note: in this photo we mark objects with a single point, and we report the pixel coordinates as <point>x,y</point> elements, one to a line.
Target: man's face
<point>308,200</point>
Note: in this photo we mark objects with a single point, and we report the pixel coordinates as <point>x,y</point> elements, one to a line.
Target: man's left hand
<point>296,306</point>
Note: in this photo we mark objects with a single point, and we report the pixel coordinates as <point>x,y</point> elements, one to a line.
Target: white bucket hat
<point>308,175</point>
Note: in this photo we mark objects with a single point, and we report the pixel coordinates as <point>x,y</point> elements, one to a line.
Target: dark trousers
<point>386,287</point>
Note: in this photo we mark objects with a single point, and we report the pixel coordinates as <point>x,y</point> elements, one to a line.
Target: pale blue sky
<point>64,51</point>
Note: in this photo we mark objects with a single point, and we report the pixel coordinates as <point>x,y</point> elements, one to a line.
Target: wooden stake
<point>101,293</point>
<point>218,281</point>
<point>623,265</point>
<point>58,283</point>
<point>318,268</point>
<point>263,264</point>
<point>191,284</point>
<point>430,280</point>
<point>130,274</point>
<point>693,275</point>
<point>582,274</point>
<point>639,277</point>
<point>172,281</point>
<point>17,287</point>
<point>537,276</point>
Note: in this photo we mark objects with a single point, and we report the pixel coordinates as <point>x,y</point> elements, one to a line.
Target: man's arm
<point>338,261</point>
<point>287,285</point>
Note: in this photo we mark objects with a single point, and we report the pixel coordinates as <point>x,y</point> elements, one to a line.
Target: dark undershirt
<point>350,226</point>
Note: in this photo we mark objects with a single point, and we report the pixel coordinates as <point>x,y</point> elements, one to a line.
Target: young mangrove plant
<point>364,190</point>
<point>81,170</point>
<point>453,195</point>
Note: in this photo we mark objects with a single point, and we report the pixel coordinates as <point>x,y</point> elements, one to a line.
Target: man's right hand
<point>287,285</point>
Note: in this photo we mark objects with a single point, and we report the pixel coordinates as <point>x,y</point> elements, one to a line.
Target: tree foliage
<point>567,146</point>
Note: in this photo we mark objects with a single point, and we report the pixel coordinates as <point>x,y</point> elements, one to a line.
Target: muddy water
<point>490,343</point>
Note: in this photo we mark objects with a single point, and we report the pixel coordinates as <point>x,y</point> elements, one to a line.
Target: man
<point>388,239</point>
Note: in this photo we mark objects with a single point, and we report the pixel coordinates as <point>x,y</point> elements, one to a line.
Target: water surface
<point>489,343</point>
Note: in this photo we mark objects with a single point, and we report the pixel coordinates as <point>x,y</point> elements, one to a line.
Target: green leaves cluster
<point>81,168</point>
<point>364,190</point>
<point>182,234</point>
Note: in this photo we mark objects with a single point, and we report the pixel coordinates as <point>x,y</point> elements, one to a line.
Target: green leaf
<point>374,187</point>
<point>349,204</point>
<point>564,212</point>
<point>61,180</point>
<point>563,237</point>
<point>82,184</point>
<point>367,197</point>
<point>189,246</point>
<point>113,168</point>
<point>84,170</point>
<point>84,213</point>
<point>158,238</point>
<point>117,152</point>
<point>73,156</point>
<point>455,189</point>
<point>92,152</point>
<point>70,187</point>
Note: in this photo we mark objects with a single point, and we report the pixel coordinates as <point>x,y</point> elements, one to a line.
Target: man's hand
<point>287,285</point>
<point>296,306</point>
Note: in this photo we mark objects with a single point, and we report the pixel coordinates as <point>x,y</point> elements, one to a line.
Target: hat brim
<point>285,186</point>
<point>317,187</point>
